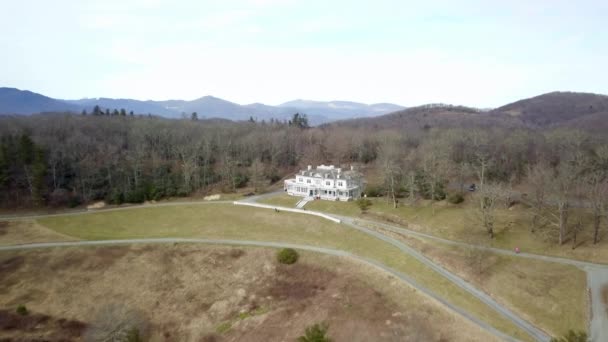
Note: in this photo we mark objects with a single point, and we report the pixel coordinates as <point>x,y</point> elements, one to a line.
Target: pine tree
<point>123,112</point>
<point>194,116</point>
<point>97,110</point>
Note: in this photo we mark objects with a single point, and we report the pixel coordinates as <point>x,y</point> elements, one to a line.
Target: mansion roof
<point>331,172</point>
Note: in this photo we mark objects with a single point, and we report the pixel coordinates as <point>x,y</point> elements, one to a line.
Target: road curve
<point>560,260</point>
<point>335,252</point>
<point>533,331</point>
<point>597,275</point>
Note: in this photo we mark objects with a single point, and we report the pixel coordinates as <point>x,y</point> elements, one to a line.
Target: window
<point>339,183</point>
<point>300,180</point>
<point>327,183</point>
<point>308,181</point>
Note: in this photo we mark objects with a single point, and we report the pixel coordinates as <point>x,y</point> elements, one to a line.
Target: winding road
<point>597,274</point>
<point>335,252</point>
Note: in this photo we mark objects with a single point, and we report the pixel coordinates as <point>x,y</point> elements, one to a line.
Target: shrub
<point>240,180</point>
<point>287,256</point>
<point>133,336</point>
<point>364,204</point>
<point>455,198</point>
<point>315,333</point>
<point>74,201</point>
<point>135,196</point>
<point>374,191</point>
<point>115,197</point>
<point>22,310</point>
<point>118,322</point>
<point>572,336</point>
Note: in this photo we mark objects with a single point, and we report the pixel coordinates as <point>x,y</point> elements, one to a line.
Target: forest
<point>65,160</point>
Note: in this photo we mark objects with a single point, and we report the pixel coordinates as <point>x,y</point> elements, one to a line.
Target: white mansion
<point>326,182</point>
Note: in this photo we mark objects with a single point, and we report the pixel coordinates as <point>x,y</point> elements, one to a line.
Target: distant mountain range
<point>557,109</point>
<point>23,102</point>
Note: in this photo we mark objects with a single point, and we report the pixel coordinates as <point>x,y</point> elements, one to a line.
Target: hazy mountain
<point>15,101</point>
<point>556,108</point>
<point>338,110</point>
<point>139,107</point>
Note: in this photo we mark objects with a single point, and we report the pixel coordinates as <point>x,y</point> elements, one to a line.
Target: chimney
<point>309,167</point>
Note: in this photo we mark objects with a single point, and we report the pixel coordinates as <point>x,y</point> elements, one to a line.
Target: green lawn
<point>461,223</point>
<point>283,200</point>
<point>550,295</point>
<point>232,222</point>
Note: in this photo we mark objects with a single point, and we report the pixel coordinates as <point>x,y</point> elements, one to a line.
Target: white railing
<point>300,211</point>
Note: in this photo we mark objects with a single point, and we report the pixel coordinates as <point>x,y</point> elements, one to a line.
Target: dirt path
<point>597,280</point>
<point>403,277</point>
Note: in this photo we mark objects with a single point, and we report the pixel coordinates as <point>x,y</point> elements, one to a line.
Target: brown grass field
<point>461,223</point>
<point>551,296</point>
<point>207,293</point>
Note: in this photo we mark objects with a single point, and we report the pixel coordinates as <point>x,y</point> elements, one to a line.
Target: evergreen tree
<point>84,112</point>
<point>123,112</point>
<point>131,113</point>
<point>115,112</point>
<point>96,110</point>
<point>194,116</point>
<point>107,112</point>
<point>299,120</point>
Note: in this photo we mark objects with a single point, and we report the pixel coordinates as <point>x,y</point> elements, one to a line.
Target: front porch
<point>308,190</point>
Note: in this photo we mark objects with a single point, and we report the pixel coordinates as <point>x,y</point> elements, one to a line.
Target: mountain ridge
<point>24,102</point>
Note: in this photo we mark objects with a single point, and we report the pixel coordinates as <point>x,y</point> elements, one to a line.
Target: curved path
<point>595,272</point>
<point>532,330</point>
<point>336,252</point>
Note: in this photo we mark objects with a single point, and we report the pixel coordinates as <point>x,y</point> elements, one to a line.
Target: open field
<point>28,231</point>
<point>203,293</point>
<point>281,200</point>
<point>230,222</point>
<point>550,295</point>
<point>460,223</point>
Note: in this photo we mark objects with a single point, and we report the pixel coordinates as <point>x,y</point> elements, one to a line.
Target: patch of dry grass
<point>28,231</point>
<point>236,222</point>
<point>187,291</point>
<point>552,296</point>
<point>460,223</point>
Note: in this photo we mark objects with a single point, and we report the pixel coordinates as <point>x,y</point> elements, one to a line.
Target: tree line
<point>65,160</point>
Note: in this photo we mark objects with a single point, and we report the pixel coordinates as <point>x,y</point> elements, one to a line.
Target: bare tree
<point>596,189</point>
<point>488,198</point>
<point>564,183</point>
<point>391,169</point>
<point>538,180</point>
<point>435,165</point>
<point>257,172</point>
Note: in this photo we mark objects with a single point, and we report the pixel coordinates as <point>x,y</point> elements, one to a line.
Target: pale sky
<point>478,53</point>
